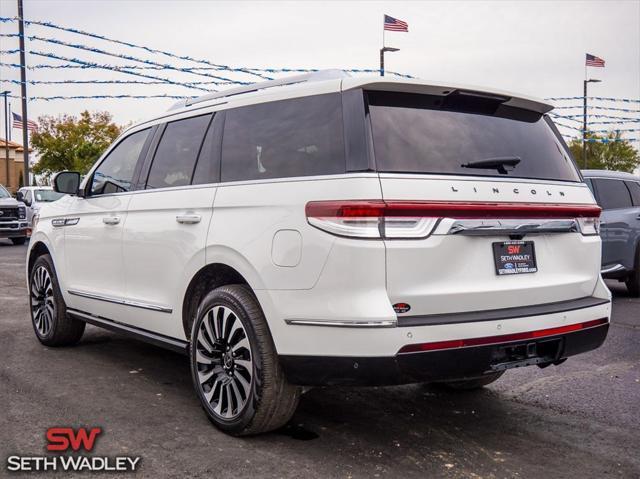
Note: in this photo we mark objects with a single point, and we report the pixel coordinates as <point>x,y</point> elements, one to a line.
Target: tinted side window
<point>115,173</point>
<point>299,137</point>
<point>634,188</point>
<point>176,155</point>
<point>612,193</point>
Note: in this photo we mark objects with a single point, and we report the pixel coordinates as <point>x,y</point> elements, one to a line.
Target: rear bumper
<point>448,363</point>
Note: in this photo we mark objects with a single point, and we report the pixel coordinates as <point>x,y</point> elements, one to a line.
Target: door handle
<point>188,219</point>
<point>111,220</point>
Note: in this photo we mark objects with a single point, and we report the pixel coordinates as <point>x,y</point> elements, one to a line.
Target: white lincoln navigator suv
<point>324,230</point>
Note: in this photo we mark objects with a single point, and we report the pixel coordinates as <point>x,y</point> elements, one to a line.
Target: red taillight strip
<point>448,209</point>
<point>505,338</point>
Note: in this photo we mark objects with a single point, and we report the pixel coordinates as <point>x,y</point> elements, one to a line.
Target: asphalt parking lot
<point>580,419</point>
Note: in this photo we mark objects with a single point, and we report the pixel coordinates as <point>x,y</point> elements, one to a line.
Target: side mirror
<point>66,182</point>
<point>20,197</point>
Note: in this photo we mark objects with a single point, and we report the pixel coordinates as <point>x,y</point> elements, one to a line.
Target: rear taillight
<point>589,226</point>
<point>369,219</point>
<point>376,219</point>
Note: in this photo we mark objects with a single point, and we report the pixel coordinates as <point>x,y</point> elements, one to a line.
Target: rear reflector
<point>416,219</point>
<point>505,338</point>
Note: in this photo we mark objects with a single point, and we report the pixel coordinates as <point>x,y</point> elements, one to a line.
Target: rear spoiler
<point>415,86</point>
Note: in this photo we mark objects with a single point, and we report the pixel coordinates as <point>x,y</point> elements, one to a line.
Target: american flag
<point>395,25</point>
<point>594,61</point>
<point>17,123</point>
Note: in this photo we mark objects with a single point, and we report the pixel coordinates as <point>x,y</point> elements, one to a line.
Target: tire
<point>18,241</point>
<point>234,365</point>
<point>472,384</point>
<point>633,280</point>
<point>52,325</point>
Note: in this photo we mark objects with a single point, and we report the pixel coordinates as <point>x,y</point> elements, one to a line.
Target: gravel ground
<point>580,419</point>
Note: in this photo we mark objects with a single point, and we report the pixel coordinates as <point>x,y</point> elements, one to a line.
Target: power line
<point>121,70</point>
<point>131,58</point>
<point>107,82</point>
<point>600,98</point>
<point>128,44</point>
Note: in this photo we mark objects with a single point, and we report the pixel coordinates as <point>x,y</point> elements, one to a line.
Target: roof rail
<point>332,74</point>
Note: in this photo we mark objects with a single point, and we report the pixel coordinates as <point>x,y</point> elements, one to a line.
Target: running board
<point>156,339</point>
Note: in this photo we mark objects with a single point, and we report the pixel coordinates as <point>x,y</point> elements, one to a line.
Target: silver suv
<point>618,194</point>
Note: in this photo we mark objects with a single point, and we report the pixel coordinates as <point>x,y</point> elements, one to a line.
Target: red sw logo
<point>513,249</point>
<point>63,438</point>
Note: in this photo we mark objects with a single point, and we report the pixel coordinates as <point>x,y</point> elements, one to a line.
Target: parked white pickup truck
<point>13,218</point>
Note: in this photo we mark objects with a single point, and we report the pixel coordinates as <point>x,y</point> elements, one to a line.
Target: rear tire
<point>52,325</point>
<point>18,241</point>
<point>633,280</point>
<point>234,365</point>
<point>472,384</point>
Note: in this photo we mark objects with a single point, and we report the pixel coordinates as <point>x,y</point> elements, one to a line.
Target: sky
<point>535,48</point>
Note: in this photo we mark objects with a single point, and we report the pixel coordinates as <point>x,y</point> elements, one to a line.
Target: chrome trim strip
<point>125,302</point>
<point>492,227</point>
<point>387,323</point>
<point>612,269</point>
<point>168,342</point>
<point>58,222</point>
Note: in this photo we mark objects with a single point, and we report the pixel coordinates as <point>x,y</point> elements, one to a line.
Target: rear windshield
<point>464,135</point>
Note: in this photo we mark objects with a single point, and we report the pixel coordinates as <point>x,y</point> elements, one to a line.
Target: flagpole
<point>6,134</point>
<point>584,118</point>
<point>382,50</point>
<point>23,92</point>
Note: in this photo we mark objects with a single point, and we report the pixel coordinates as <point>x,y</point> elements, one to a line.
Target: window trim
<point>136,170</point>
<point>216,129</point>
<point>151,154</point>
<point>356,131</point>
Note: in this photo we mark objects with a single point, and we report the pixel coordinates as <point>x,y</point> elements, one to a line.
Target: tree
<point>70,143</point>
<point>610,152</point>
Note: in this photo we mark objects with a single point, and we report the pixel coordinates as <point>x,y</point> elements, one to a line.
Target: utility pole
<point>584,119</point>
<point>6,132</point>
<point>23,93</point>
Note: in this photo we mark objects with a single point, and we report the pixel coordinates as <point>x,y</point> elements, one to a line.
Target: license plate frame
<point>514,257</point>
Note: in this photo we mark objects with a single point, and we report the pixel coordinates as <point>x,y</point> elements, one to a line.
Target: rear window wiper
<point>500,164</point>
